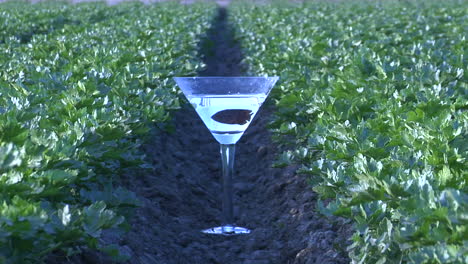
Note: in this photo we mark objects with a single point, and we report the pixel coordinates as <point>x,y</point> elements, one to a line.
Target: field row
<point>373,103</point>
<point>80,87</point>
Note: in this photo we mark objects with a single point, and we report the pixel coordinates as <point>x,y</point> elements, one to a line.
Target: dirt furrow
<point>182,196</point>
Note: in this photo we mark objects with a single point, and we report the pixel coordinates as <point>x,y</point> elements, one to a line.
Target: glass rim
<point>225,77</point>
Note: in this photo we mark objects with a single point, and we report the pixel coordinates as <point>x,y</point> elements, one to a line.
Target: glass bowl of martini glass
<point>226,105</point>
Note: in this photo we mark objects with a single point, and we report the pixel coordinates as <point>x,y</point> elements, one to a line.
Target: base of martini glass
<point>227,230</point>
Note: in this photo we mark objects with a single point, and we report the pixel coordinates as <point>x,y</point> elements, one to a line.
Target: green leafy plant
<point>375,93</point>
<point>77,97</point>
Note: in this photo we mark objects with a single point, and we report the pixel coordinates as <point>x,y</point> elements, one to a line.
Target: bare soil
<point>182,196</point>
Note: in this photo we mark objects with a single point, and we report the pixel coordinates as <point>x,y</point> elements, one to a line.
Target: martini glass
<point>226,105</point>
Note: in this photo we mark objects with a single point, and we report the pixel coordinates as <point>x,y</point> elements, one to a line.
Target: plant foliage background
<point>80,86</point>
<point>373,103</point>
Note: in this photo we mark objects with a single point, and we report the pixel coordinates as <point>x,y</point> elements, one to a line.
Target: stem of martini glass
<point>227,158</point>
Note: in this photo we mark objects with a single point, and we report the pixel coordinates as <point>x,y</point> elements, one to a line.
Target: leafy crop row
<point>21,20</point>
<point>373,103</point>
<point>76,99</point>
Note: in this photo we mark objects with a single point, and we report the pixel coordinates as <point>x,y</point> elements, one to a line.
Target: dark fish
<point>233,116</point>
